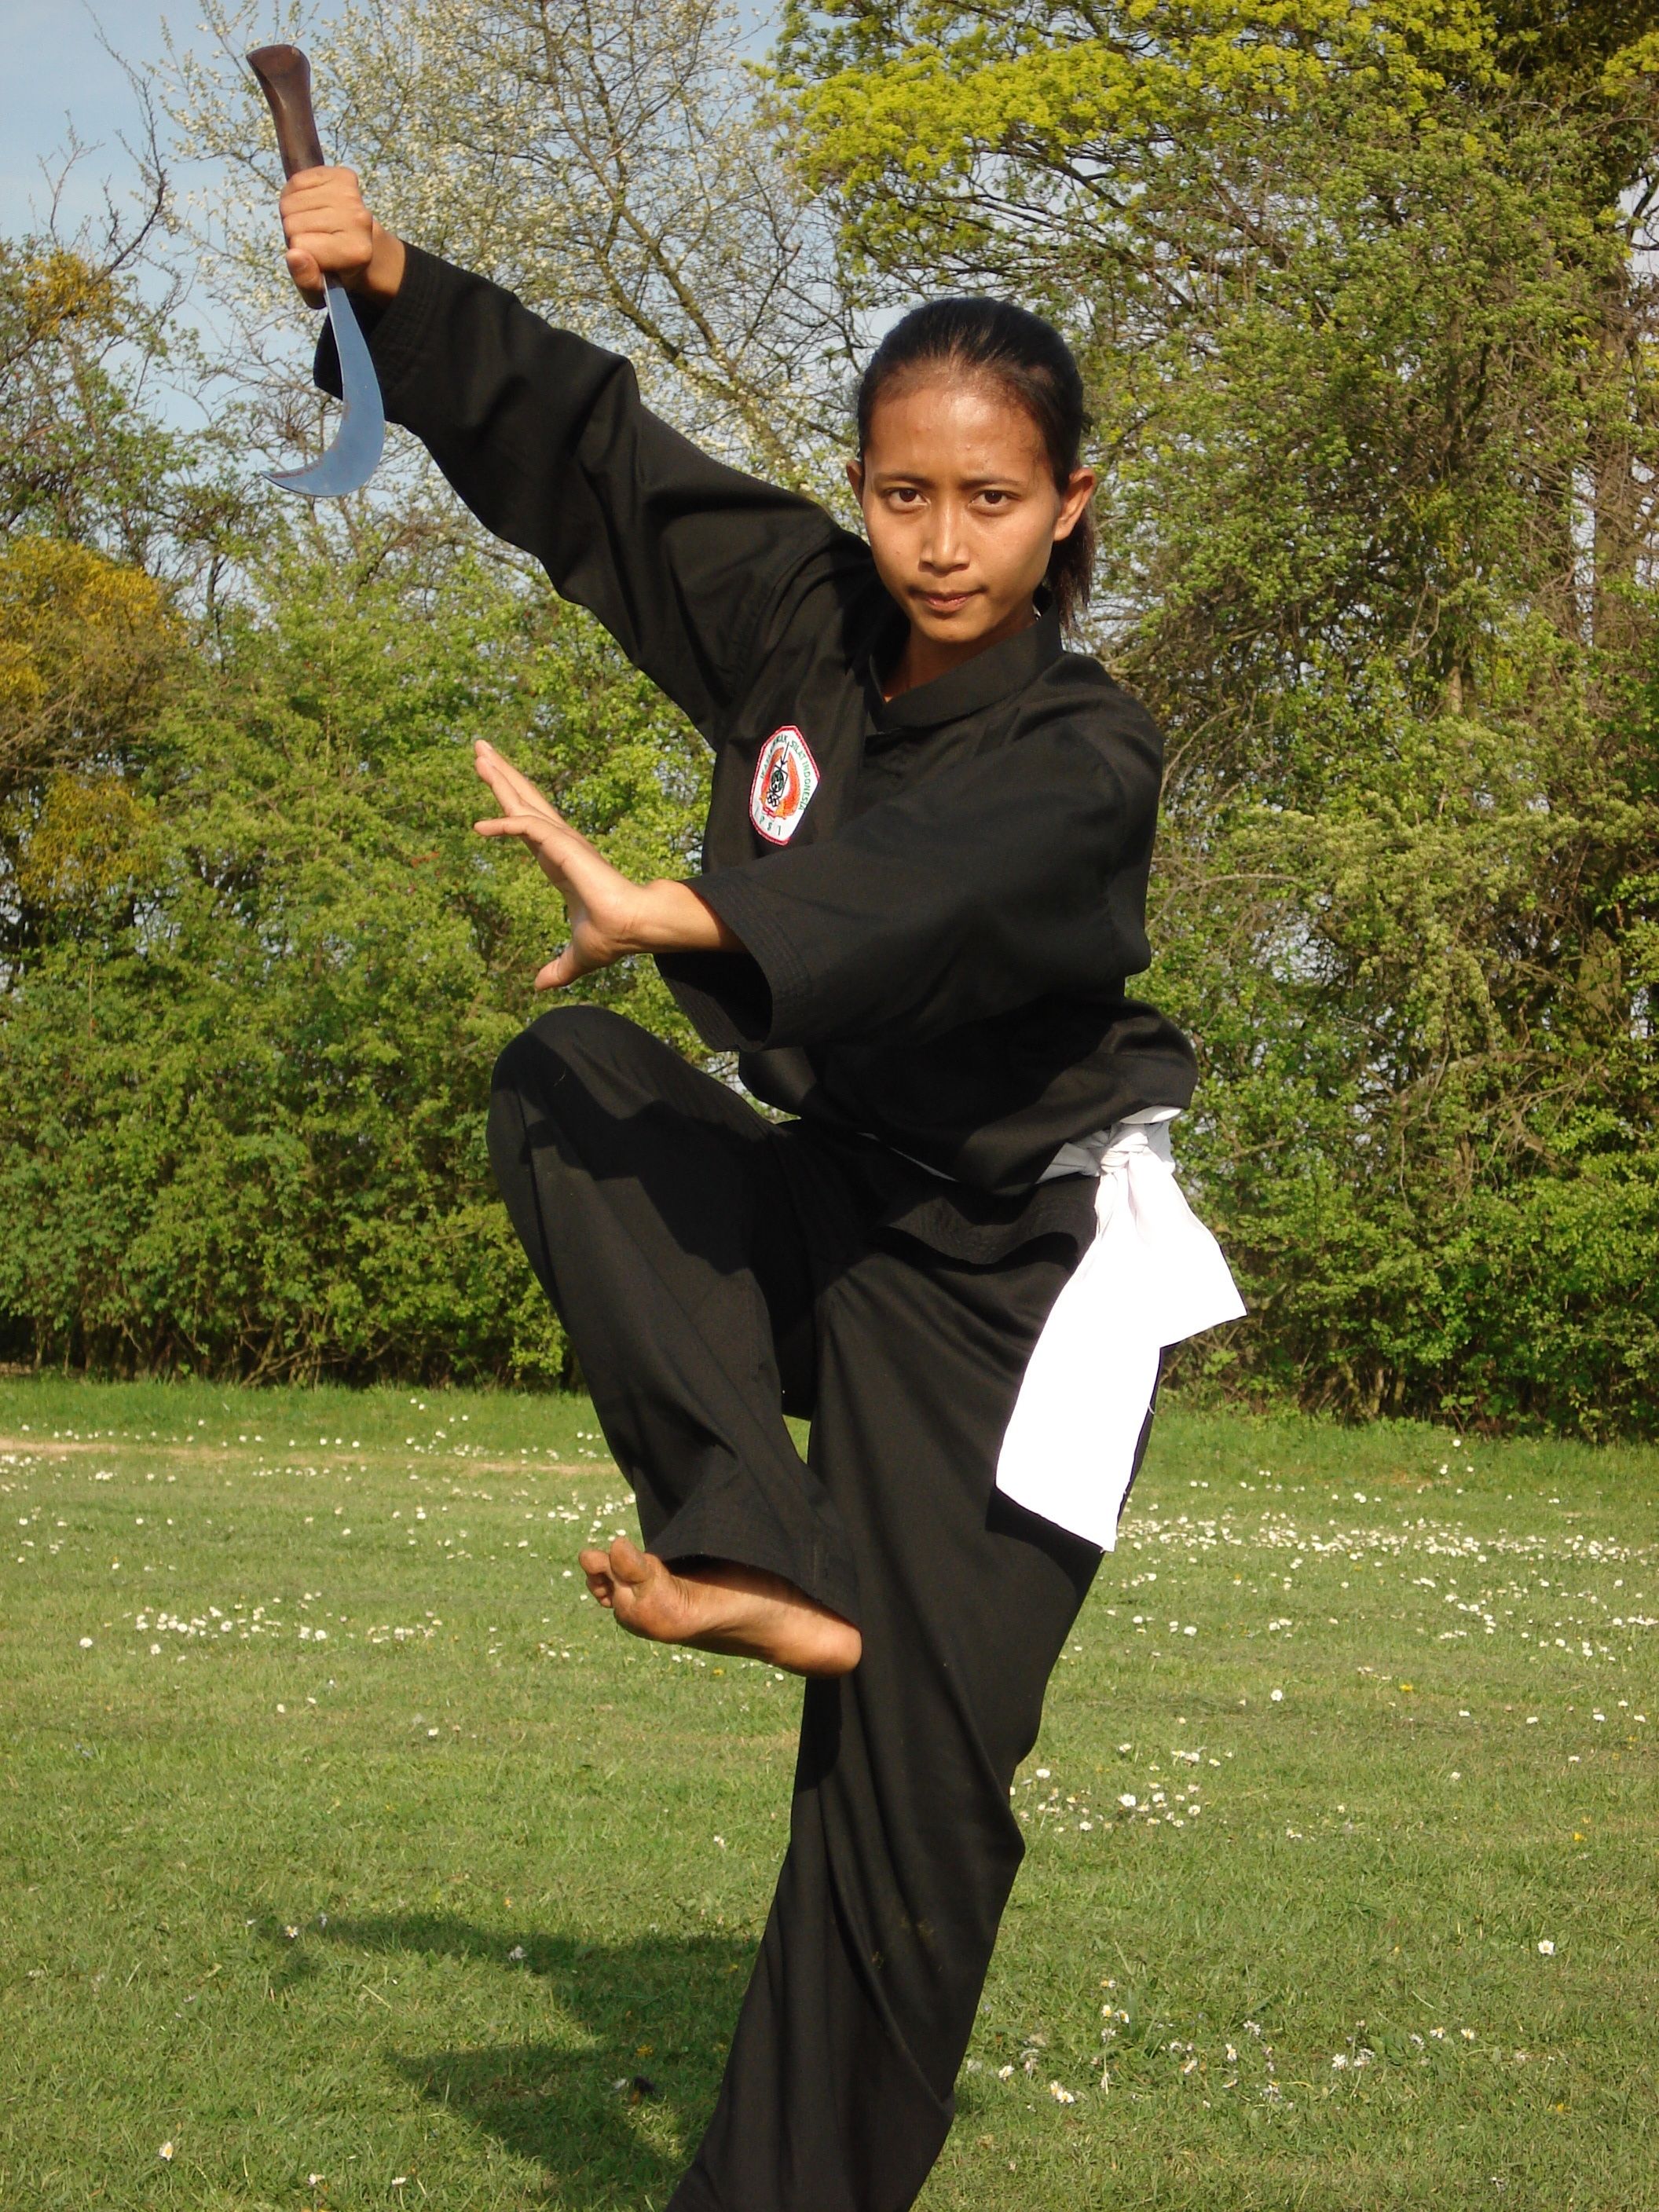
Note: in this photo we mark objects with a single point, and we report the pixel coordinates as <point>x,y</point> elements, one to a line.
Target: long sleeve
<point>1014,877</point>
<point>547,440</point>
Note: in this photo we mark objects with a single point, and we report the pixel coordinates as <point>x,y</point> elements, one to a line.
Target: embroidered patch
<point>786,776</point>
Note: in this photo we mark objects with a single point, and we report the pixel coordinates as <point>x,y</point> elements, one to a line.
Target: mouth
<point>945,603</point>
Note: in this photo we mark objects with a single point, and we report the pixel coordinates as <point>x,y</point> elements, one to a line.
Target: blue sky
<point>57,71</point>
<point>59,74</point>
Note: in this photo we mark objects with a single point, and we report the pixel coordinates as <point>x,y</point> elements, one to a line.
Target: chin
<point>970,620</point>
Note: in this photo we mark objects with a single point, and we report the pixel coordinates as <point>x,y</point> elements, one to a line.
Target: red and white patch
<point>786,776</point>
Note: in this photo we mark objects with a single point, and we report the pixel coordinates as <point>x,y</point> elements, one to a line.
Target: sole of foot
<point>741,1612</point>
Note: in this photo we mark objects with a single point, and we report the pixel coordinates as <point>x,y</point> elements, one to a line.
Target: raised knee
<point>563,1037</point>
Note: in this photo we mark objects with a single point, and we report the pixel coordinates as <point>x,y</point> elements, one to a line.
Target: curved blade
<point>350,461</point>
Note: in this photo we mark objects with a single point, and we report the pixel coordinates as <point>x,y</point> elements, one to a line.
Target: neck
<point>924,657</point>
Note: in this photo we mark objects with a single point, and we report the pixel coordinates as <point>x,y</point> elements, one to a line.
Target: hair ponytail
<point>1033,365</point>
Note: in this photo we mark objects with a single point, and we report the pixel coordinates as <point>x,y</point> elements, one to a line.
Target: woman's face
<point>961,505</point>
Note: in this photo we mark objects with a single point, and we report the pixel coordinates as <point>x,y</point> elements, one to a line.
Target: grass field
<point>353,1857</point>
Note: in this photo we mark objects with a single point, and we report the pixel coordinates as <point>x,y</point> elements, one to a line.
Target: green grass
<point>401,1871</point>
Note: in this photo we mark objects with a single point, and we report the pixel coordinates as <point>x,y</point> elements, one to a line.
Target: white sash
<point>1152,1275</point>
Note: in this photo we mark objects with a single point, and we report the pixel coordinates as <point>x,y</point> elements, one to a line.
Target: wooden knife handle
<point>284,76</point>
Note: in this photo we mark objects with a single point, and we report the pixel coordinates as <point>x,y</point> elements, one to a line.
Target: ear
<point>1079,492</point>
<point>855,478</point>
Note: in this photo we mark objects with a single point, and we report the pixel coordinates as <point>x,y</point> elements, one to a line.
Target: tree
<point>609,161</point>
<point>254,965</point>
<point>1360,298</point>
<point>1365,297</point>
<point>244,1065</point>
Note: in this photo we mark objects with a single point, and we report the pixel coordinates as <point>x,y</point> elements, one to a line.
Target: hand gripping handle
<point>284,76</point>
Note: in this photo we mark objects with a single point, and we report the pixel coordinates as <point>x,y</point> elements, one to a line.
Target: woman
<point>924,880</point>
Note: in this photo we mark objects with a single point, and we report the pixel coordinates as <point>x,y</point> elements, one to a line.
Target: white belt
<point>1152,1275</point>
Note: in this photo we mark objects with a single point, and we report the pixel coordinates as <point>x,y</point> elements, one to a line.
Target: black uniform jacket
<point>940,897</point>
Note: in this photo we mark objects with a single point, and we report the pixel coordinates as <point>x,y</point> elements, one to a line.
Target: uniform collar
<point>989,677</point>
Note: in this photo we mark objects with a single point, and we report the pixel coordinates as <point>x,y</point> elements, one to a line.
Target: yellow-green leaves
<point>87,839</point>
<point>933,90</point>
<point>1640,59</point>
<point>1372,366</point>
<point>85,642</point>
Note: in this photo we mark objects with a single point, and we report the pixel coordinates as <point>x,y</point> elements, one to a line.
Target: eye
<point>904,496</point>
<point>995,499</point>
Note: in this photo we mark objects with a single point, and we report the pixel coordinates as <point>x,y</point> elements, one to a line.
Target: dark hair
<point>1033,365</point>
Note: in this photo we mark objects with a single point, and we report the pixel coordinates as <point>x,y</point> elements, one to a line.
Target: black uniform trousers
<point>714,1270</point>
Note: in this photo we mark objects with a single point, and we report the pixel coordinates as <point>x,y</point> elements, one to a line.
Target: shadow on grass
<point>655,2015</point>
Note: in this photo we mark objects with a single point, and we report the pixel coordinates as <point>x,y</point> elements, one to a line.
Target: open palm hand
<point>603,906</point>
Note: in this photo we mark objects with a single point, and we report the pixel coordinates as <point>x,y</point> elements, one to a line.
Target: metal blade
<point>350,461</point>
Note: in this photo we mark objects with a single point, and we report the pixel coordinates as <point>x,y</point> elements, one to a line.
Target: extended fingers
<point>512,798</point>
<point>512,788</point>
<point>540,831</point>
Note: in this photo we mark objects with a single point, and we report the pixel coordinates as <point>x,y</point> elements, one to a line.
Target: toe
<point>627,1564</point>
<point>596,1566</point>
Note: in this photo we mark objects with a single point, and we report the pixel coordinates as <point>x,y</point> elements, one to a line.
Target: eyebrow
<point>999,480</point>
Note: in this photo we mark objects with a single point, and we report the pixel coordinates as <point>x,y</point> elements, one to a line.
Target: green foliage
<point>87,479</point>
<point>85,644</point>
<point>254,965</point>
<point>1364,303</point>
<point>82,457</point>
<point>1371,350</point>
<point>262,976</point>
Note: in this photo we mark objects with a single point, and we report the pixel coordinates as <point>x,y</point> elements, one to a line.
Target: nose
<point>942,549</point>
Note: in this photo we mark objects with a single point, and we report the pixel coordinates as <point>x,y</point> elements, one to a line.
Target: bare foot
<point>721,1607</point>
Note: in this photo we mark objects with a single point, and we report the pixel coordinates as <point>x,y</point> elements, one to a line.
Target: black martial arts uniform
<point>939,899</point>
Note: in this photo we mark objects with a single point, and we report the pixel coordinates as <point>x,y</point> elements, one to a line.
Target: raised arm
<point>547,440</point>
